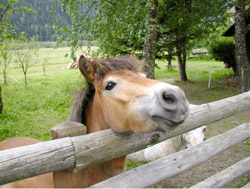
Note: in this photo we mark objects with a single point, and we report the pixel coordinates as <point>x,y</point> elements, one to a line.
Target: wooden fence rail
<point>247,185</point>
<point>227,175</point>
<point>87,150</point>
<point>177,163</point>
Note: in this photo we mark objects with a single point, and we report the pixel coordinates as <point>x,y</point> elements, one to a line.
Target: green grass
<point>132,165</point>
<point>32,111</point>
<point>197,70</point>
<point>60,55</point>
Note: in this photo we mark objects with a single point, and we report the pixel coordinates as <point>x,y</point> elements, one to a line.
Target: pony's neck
<point>95,120</point>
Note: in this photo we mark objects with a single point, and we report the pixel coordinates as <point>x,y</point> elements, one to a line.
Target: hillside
<point>39,24</point>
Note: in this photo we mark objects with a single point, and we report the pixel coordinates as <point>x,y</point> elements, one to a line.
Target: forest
<point>40,24</point>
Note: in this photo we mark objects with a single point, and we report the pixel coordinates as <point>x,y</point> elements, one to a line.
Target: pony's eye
<point>110,85</point>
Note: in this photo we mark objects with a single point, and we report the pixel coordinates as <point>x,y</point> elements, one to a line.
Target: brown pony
<point>117,96</point>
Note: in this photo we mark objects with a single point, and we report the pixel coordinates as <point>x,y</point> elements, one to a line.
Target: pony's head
<point>118,96</point>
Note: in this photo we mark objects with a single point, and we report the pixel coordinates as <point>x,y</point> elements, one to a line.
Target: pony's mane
<point>82,98</point>
<point>81,101</point>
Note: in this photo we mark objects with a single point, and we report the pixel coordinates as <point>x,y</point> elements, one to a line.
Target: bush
<point>224,50</point>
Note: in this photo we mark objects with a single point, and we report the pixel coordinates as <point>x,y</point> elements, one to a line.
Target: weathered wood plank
<point>68,129</point>
<point>174,164</point>
<point>226,176</point>
<point>36,159</point>
<point>106,145</point>
<point>247,185</point>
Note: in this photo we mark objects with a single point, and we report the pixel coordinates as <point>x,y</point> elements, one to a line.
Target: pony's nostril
<point>168,98</point>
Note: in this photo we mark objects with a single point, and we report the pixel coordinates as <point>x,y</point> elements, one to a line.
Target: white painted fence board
<point>23,162</point>
<point>226,176</point>
<point>105,145</point>
<point>174,164</point>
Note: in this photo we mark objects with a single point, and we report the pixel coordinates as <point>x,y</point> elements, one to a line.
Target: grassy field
<point>32,111</point>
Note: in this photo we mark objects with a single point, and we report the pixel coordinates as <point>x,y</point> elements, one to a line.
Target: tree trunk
<point>240,46</point>
<point>181,57</point>
<point>4,76</point>
<point>169,59</point>
<point>25,78</point>
<point>149,48</point>
<point>44,70</point>
<point>182,68</point>
<point>1,102</point>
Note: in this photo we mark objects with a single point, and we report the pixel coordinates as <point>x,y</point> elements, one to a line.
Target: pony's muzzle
<point>174,103</point>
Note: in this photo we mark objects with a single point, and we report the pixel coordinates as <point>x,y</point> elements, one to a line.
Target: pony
<point>119,97</point>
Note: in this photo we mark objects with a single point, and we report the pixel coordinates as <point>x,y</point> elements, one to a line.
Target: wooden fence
<point>80,152</point>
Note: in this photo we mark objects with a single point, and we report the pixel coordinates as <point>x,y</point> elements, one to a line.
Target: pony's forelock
<point>102,67</point>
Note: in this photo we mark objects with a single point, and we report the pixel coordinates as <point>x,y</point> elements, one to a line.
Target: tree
<point>118,26</point>
<point>44,64</point>
<point>123,26</point>
<point>26,54</point>
<point>6,50</point>
<point>7,31</point>
<point>149,47</point>
<point>242,61</point>
<point>187,21</point>
<point>165,49</point>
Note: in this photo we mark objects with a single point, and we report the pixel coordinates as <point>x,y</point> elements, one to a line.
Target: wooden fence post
<point>68,178</point>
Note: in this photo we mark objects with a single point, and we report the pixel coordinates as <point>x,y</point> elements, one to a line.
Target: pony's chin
<point>163,123</point>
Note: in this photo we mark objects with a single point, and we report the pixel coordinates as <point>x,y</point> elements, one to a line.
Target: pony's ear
<point>132,53</point>
<point>86,68</point>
